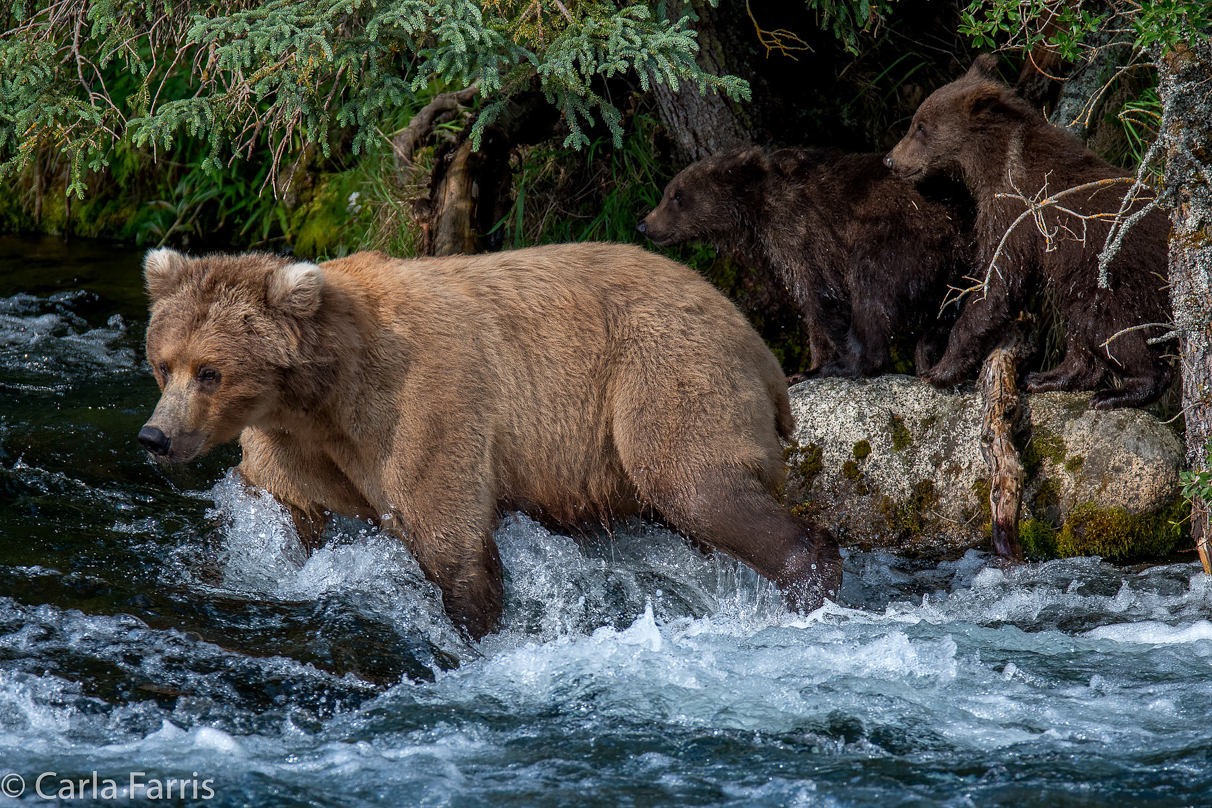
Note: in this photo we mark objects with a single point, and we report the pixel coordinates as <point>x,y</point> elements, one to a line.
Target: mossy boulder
<point>896,464</point>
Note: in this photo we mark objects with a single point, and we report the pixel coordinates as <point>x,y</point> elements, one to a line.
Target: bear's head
<point>709,199</point>
<point>954,121</point>
<point>223,330</point>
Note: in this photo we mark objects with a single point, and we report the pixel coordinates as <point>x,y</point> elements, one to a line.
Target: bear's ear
<point>985,67</point>
<point>987,97</point>
<point>163,272</point>
<point>746,168</point>
<point>297,288</point>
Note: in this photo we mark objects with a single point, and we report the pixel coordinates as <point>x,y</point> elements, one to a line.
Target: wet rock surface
<point>892,462</point>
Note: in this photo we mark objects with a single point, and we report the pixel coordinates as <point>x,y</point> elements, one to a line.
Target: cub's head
<point>223,329</point>
<point>709,199</point>
<point>956,120</point>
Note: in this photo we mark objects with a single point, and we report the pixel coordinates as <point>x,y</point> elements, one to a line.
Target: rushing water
<point>167,624</point>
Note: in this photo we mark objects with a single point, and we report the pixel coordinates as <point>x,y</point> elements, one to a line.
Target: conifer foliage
<point>79,76</point>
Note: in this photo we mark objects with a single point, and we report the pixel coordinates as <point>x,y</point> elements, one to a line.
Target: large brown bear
<point>584,381</point>
<point>864,255</point>
<point>1003,147</point>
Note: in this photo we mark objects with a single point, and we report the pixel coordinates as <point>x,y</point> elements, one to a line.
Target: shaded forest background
<point>814,80</point>
<point>322,127</point>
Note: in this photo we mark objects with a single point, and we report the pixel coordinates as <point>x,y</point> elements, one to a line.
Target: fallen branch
<point>999,388</point>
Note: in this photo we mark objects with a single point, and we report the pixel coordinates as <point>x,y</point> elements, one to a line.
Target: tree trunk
<point>702,125</point>
<point>470,189</point>
<point>1185,75</point>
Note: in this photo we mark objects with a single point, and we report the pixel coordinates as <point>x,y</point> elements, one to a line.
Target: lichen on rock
<point>874,444</point>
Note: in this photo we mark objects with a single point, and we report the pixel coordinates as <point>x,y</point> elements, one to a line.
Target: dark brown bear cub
<point>864,255</point>
<point>581,381</point>
<point>1003,147</point>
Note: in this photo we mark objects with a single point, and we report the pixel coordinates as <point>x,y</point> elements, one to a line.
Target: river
<point>162,630</point>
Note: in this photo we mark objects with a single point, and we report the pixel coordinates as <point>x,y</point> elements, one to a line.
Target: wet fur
<point>978,127</point>
<point>864,255</point>
<point>583,382</point>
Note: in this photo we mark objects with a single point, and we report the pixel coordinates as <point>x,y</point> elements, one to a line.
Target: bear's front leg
<point>464,562</point>
<point>980,326</point>
<point>306,481</point>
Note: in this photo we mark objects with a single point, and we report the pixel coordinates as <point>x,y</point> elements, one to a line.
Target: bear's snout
<point>642,226</point>
<point>888,161</point>
<point>154,440</point>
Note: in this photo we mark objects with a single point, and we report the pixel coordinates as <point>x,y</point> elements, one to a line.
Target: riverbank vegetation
<point>321,127</point>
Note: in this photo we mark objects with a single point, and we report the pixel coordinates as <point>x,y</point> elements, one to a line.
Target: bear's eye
<point>208,374</point>
<point>677,197</point>
<point>921,129</point>
<point>163,368</point>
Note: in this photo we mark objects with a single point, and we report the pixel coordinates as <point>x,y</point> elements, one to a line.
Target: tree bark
<point>701,125</point>
<point>1185,75</point>
<point>469,188</point>
<point>999,388</point>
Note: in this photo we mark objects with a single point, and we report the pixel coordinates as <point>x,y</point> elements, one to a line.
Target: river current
<point>162,630</point>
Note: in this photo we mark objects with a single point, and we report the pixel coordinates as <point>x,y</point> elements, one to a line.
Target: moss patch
<point>805,461</point>
<point>1038,539</point>
<point>900,434</point>
<point>1116,535</point>
<point>861,450</point>
<point>905,518</point>
<point>1048,495</point>
<point>1074,464</point>
<point>1044,443</point>
<point>850,470</point>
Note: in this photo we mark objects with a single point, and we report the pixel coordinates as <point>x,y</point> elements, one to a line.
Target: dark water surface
<point>167,624</point>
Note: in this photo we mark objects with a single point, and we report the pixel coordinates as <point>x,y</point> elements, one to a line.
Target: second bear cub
<point>1008,152</point>
<point>864,255</point>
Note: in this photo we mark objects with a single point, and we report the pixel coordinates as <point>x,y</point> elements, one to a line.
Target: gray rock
<point>920,485</point>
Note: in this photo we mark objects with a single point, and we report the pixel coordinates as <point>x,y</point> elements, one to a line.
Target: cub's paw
<point>1107,400</point>
<point>943,375</point>
<point>802,376</point>
<point>1041,383</point>
<point>839,367</point>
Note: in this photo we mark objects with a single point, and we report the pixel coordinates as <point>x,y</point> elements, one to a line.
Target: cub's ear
<point>987,97</point>
<point>985,67</point>
<point>163,272</point>
<point>297,288</point>
<point>746,168</point>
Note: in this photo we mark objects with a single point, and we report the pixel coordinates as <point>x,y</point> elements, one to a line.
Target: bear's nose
<point>888,161</point>
<point>642,226</point>
<point>154,440</point>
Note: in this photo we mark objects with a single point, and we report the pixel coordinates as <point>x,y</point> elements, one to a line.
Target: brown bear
<point>865,256</point>
<point>579,381</point>
<point>1004,148</point>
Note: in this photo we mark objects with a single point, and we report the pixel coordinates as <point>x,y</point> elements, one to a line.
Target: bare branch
<point>1120,226</point>
<point>1152,340</point>
<point>1035,208</point>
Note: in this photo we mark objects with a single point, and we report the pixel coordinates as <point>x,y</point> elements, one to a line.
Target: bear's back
<point>566,345</point>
